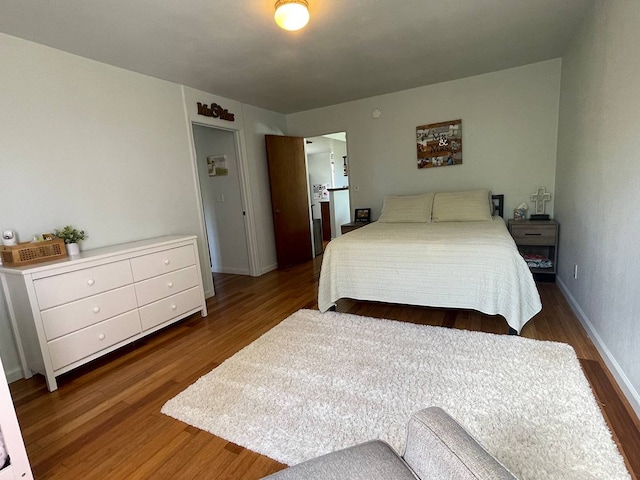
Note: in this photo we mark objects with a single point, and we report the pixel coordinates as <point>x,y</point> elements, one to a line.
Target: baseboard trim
<point>13,375</point>
<point>620,377</point>
<point>268,268</point>
<point>231,270</point>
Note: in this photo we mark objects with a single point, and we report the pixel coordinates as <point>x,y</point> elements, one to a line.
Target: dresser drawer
<point>154,264</point>
<point>78,345</point>
<point>165,285</point>
<point>170,307</point>
<point>534,235</point>
<point>59,321</point>
<point>67,287</point>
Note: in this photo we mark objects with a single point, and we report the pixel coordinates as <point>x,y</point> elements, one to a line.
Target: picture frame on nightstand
<point>362,215</point>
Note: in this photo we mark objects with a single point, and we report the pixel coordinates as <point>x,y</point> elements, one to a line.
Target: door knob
<point>277,210</point>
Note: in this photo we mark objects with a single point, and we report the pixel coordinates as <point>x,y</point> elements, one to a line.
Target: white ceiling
<point>351,49</point>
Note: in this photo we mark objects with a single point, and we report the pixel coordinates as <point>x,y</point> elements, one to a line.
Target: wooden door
<point>289,199</point>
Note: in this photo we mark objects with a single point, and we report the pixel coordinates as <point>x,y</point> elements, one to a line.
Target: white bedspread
<point>473,265</point>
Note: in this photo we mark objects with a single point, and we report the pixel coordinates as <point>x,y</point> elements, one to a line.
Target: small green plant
<point>70,234</point>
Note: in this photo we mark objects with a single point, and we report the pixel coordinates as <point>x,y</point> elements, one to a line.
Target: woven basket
<point>27,253</point>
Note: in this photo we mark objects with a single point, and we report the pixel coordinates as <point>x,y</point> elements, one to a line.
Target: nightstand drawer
<point>349,227</point>
<point>534,234</point>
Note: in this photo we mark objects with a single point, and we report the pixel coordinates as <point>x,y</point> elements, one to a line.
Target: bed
<point>439,250</point>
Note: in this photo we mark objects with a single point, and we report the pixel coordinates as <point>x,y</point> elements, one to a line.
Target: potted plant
<point>71,237</point>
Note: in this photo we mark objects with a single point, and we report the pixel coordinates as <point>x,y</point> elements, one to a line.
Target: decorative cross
<point>540,197</point>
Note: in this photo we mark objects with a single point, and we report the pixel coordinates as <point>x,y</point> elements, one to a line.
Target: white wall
<point>319,165</point>
<point>110,151</point>
<point>598,181</point>
<point>87,144</point>
<point>339,151</point>
<point>509,121</point>
<point>252,124</point>
<point>8,351</point>
<point>222,202</point>
<point>260,122</point>
<point>340,211</point>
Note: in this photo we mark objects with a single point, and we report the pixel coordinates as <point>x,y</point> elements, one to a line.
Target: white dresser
<point>68,312</point>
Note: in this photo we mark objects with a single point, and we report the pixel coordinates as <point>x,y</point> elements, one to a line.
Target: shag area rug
<point>320,382</point>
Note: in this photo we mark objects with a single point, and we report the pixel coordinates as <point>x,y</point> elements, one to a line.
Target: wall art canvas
<point>439,144</point>
<point>217,165</point>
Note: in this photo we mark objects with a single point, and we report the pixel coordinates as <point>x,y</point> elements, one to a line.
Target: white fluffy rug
<point>320,382</point>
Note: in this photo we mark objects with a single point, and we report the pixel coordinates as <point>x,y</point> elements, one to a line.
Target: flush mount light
<point>292,14</point>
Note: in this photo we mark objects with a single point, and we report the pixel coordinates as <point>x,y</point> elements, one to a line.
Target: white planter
<point>72,249</point>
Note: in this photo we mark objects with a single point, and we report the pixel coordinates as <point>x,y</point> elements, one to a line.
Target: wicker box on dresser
<point>68,312</point>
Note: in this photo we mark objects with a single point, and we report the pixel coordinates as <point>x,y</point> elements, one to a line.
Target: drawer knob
<point>91,281</point>
<point>96,309</point>
<point>167,261</point>
<point>174,307</point>
<point>102,336</point>
<point>170,284</point>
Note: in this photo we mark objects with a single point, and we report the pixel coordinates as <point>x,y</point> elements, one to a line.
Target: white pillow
<point>407,208</point>
<point>468,206</point>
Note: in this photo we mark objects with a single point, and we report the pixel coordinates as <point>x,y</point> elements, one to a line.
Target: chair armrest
<point>374,460</point>
<point>438,447</point>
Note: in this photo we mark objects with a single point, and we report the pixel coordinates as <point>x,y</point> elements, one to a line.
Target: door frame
<point>245,195</point>
<point>350,194</point>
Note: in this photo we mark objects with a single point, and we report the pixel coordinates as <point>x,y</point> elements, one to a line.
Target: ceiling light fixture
<point>292,14</point>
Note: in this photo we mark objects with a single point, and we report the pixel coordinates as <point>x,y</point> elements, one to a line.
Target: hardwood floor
<point>104,421</point>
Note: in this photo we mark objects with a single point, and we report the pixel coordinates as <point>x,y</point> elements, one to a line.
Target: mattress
<point>466,265</point>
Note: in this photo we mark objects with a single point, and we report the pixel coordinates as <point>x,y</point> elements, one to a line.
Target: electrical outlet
<point>575,271</point>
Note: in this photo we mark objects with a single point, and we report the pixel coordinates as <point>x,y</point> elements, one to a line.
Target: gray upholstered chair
<point>437,448</point>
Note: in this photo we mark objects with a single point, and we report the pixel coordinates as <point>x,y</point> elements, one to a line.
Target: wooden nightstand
<point>348,227</point>
<point>538,238</point>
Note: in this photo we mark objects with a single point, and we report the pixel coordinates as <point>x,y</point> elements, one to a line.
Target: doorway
<point>328,166</point>
<point>220,189</point>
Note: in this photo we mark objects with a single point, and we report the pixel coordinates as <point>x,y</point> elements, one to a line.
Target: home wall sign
<point>439,144</point>
<point>215,111</point>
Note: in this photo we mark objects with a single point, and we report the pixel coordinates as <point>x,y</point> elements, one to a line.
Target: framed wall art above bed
<point>439,144</point>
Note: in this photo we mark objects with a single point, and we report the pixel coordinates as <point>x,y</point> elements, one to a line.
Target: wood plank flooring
<point>104,421</point>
